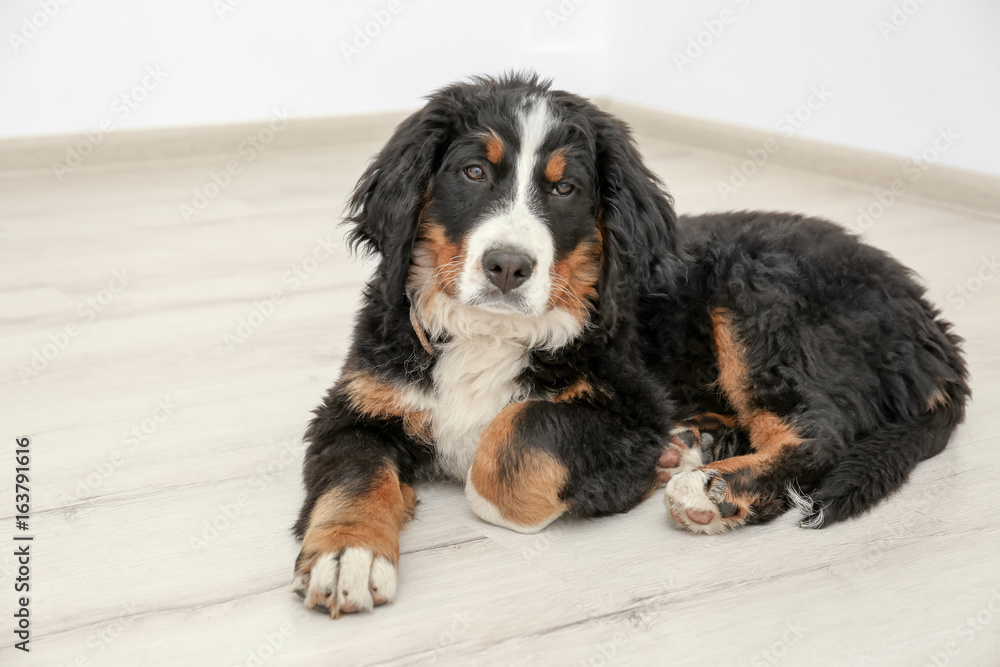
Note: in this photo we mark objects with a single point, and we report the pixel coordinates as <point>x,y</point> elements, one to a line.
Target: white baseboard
<point>173,143</point>
<point>969,191</point>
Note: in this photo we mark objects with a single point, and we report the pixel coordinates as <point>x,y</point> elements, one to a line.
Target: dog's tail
<point>878,463</point>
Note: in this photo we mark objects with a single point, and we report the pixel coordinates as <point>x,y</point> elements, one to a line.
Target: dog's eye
<point>562,189</point>
<point>475,173</point>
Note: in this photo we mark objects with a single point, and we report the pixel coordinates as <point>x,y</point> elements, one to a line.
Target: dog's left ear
<point>384,208</point>
<point>643,252</point>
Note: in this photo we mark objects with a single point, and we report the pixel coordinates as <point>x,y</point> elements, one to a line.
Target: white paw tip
<point>322,581</point>
<point>383,580</point>
<point>353,593</point>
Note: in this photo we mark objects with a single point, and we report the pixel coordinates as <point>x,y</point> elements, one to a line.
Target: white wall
<point>227,65</point>
<point>889,90</point>
<point>65,65</point>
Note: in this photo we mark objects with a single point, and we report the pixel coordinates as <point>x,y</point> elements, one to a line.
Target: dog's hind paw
<point>683,453</point>
<point>698,500</point>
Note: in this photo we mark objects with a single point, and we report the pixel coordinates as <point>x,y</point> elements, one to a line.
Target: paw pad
<point>697,501</point>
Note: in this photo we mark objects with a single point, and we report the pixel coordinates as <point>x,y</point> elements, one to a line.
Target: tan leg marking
<point>733,372</point>
<point>768,432</point>
<point>351,548</point>
<point>372,520</point>
<point>523,486</point>
<point>380,400</point>
<point>724,494</point>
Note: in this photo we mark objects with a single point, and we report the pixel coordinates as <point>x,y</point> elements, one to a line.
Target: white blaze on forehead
<point>516,224</point>
<point>535,124</point>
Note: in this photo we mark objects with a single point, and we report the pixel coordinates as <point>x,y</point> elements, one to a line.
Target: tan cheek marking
<point>494,147</point>
<point>372,520</point>
<point>525,492</point>
<point>437,261</point>
<point>574,284</point>
<point>556,166</point>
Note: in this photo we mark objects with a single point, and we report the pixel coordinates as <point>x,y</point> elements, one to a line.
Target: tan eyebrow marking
<point>494,147</point>
<point>556,166</point>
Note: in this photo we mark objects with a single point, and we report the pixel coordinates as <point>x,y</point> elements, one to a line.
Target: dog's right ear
<point>384,208</point>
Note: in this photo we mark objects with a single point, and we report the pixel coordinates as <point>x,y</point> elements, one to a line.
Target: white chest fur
<point>474,379</point>
<point>475,375</point>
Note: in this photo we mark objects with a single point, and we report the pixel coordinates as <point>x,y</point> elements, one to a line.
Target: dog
<point>543,328</point>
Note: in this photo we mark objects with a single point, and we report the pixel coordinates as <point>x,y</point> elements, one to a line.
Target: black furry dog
<point>542,328</point>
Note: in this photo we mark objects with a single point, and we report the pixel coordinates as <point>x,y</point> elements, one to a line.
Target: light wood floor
<point>171,546</point>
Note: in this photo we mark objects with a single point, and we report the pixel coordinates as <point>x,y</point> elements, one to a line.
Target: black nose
<point>507,269</point>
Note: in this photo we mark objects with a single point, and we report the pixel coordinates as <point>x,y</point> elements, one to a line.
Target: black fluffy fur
<point>840,339</point>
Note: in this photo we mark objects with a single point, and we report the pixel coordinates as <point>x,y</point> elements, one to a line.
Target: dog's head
<point>509,198</point>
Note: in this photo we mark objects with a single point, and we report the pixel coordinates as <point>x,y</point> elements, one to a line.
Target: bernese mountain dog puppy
<point>542,328</point>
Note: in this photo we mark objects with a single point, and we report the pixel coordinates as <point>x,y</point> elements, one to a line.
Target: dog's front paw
<point>699,500</point>
<point>346,581</point>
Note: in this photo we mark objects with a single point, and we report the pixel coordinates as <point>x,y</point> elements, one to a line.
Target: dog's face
<point>506,197</point>
<point>510,224</point>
